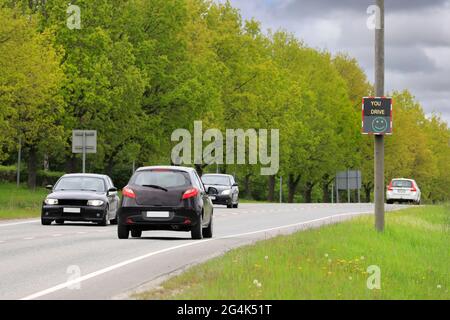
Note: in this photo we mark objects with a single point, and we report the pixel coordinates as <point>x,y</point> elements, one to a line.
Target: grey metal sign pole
<point>19,159</point>
<point>281,189</point>
<point>84,152</point>
<point>379,139</point>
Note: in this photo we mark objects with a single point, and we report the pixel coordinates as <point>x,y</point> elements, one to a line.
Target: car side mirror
<point>49,187</point>
<point>212,190</point>
<point>235,185</point>
<point>112,190</point>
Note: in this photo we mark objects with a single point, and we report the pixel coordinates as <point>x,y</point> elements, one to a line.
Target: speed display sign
<point>377,115</point>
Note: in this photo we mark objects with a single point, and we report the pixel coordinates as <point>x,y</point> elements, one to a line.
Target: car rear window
<point>402,184</point>
<point>163,178</point>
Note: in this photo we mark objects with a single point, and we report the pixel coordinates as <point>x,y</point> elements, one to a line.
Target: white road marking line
<point>17,223</point>
<point>192,243</point>
<point>81,232</point>
<point>56,235</point>
<point>28,238</point>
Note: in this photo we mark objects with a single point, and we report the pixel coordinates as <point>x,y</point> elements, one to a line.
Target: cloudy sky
<point>417,38</point>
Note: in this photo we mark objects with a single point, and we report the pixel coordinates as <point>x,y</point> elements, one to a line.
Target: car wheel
<point>208,232</point>
<point>46,222</point>
<point>114,221</point>
<point>105,221</point>
<point>196,231</point>
<point>229,206</point>
<point>123,232</point>
<point>236,205</point>
<point>136,233</point>
<point>59,221</point>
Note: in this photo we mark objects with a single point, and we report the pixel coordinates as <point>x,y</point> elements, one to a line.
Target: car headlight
<point>95,203</point>
<point>50,201</point>
<point>226,192</point>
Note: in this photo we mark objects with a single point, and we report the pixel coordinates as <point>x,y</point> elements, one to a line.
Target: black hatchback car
<point>81,197</point>
<point>165,198</point>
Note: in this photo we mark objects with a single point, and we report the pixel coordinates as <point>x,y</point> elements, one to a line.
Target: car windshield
<point>81,183</point>
<point>402,184</point>
<point>161,178</point>
<point>216,180</point>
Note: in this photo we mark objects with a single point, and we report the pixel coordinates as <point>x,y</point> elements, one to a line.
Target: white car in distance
<point>403,190</point>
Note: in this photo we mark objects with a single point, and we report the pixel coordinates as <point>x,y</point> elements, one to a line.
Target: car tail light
<point>129,193</point>
<point>390,186</point>
<point>190,193</point>
<point>413,189</point>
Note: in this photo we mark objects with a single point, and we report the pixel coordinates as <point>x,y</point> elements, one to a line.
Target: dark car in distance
<point>165,198</point>
<point>81,197</point>
<point>223,189</point>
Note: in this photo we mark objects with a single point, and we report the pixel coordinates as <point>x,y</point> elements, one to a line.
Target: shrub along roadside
<point>9,174</point>
<point>330,263</point>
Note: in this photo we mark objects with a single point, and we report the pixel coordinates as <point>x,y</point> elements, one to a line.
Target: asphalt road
<point>84,261</point>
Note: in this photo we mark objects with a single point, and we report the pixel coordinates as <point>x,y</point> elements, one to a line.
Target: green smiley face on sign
<point>379,124</point>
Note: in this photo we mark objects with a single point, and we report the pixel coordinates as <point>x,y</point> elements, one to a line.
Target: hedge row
<point>9,174</point>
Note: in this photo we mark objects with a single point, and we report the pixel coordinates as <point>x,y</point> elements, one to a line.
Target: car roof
<point>403,179</point>
<point>92,175</point>
<point>179,168</point>
<point>217,174</point>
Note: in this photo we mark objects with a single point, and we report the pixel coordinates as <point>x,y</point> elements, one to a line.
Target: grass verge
<point>16,203</point>
<point>330,263</point>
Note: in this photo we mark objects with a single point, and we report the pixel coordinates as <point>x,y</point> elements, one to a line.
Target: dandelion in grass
<point>362,257</point>
<point>326,255</point>
<point>259,284</point>
<point>255,281</point>
<point>350,278</point>
<point>266,258</point>
<point>439,286</point>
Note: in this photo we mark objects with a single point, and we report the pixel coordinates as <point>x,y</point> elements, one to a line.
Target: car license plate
<point>213,197</point>
<point>401,191</point>
<point>157,214</point>
<point>71,210</point>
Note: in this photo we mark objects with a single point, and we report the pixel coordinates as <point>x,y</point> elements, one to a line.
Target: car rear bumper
<point>87,213</point>
<point>400,197</point>
<point>179,218</point>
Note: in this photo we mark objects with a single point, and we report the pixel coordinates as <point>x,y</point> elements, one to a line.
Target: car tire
<point>135,233</point>
<point>46,222</point>
<point>123,232</point>
<point>208,231</point>
<point>196,231</point>
<point>59,221</point>
<point>105,221</point>
<point>236,205</point>
<point>113,221</point>
<point>229,206</point>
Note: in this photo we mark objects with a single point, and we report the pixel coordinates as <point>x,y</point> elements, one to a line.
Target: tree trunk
<point>271,194</point>
<point>292,187</point>
<point>71,164</point>
<point>326,181</point>
<point>367,191</point>
<point>307,194</point>
<point>247,191</point>
<point>32,168</point>
<point>199,169</point>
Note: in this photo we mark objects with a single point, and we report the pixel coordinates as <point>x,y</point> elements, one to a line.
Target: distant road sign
<point>84,141</point>
<point>377,115</point>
